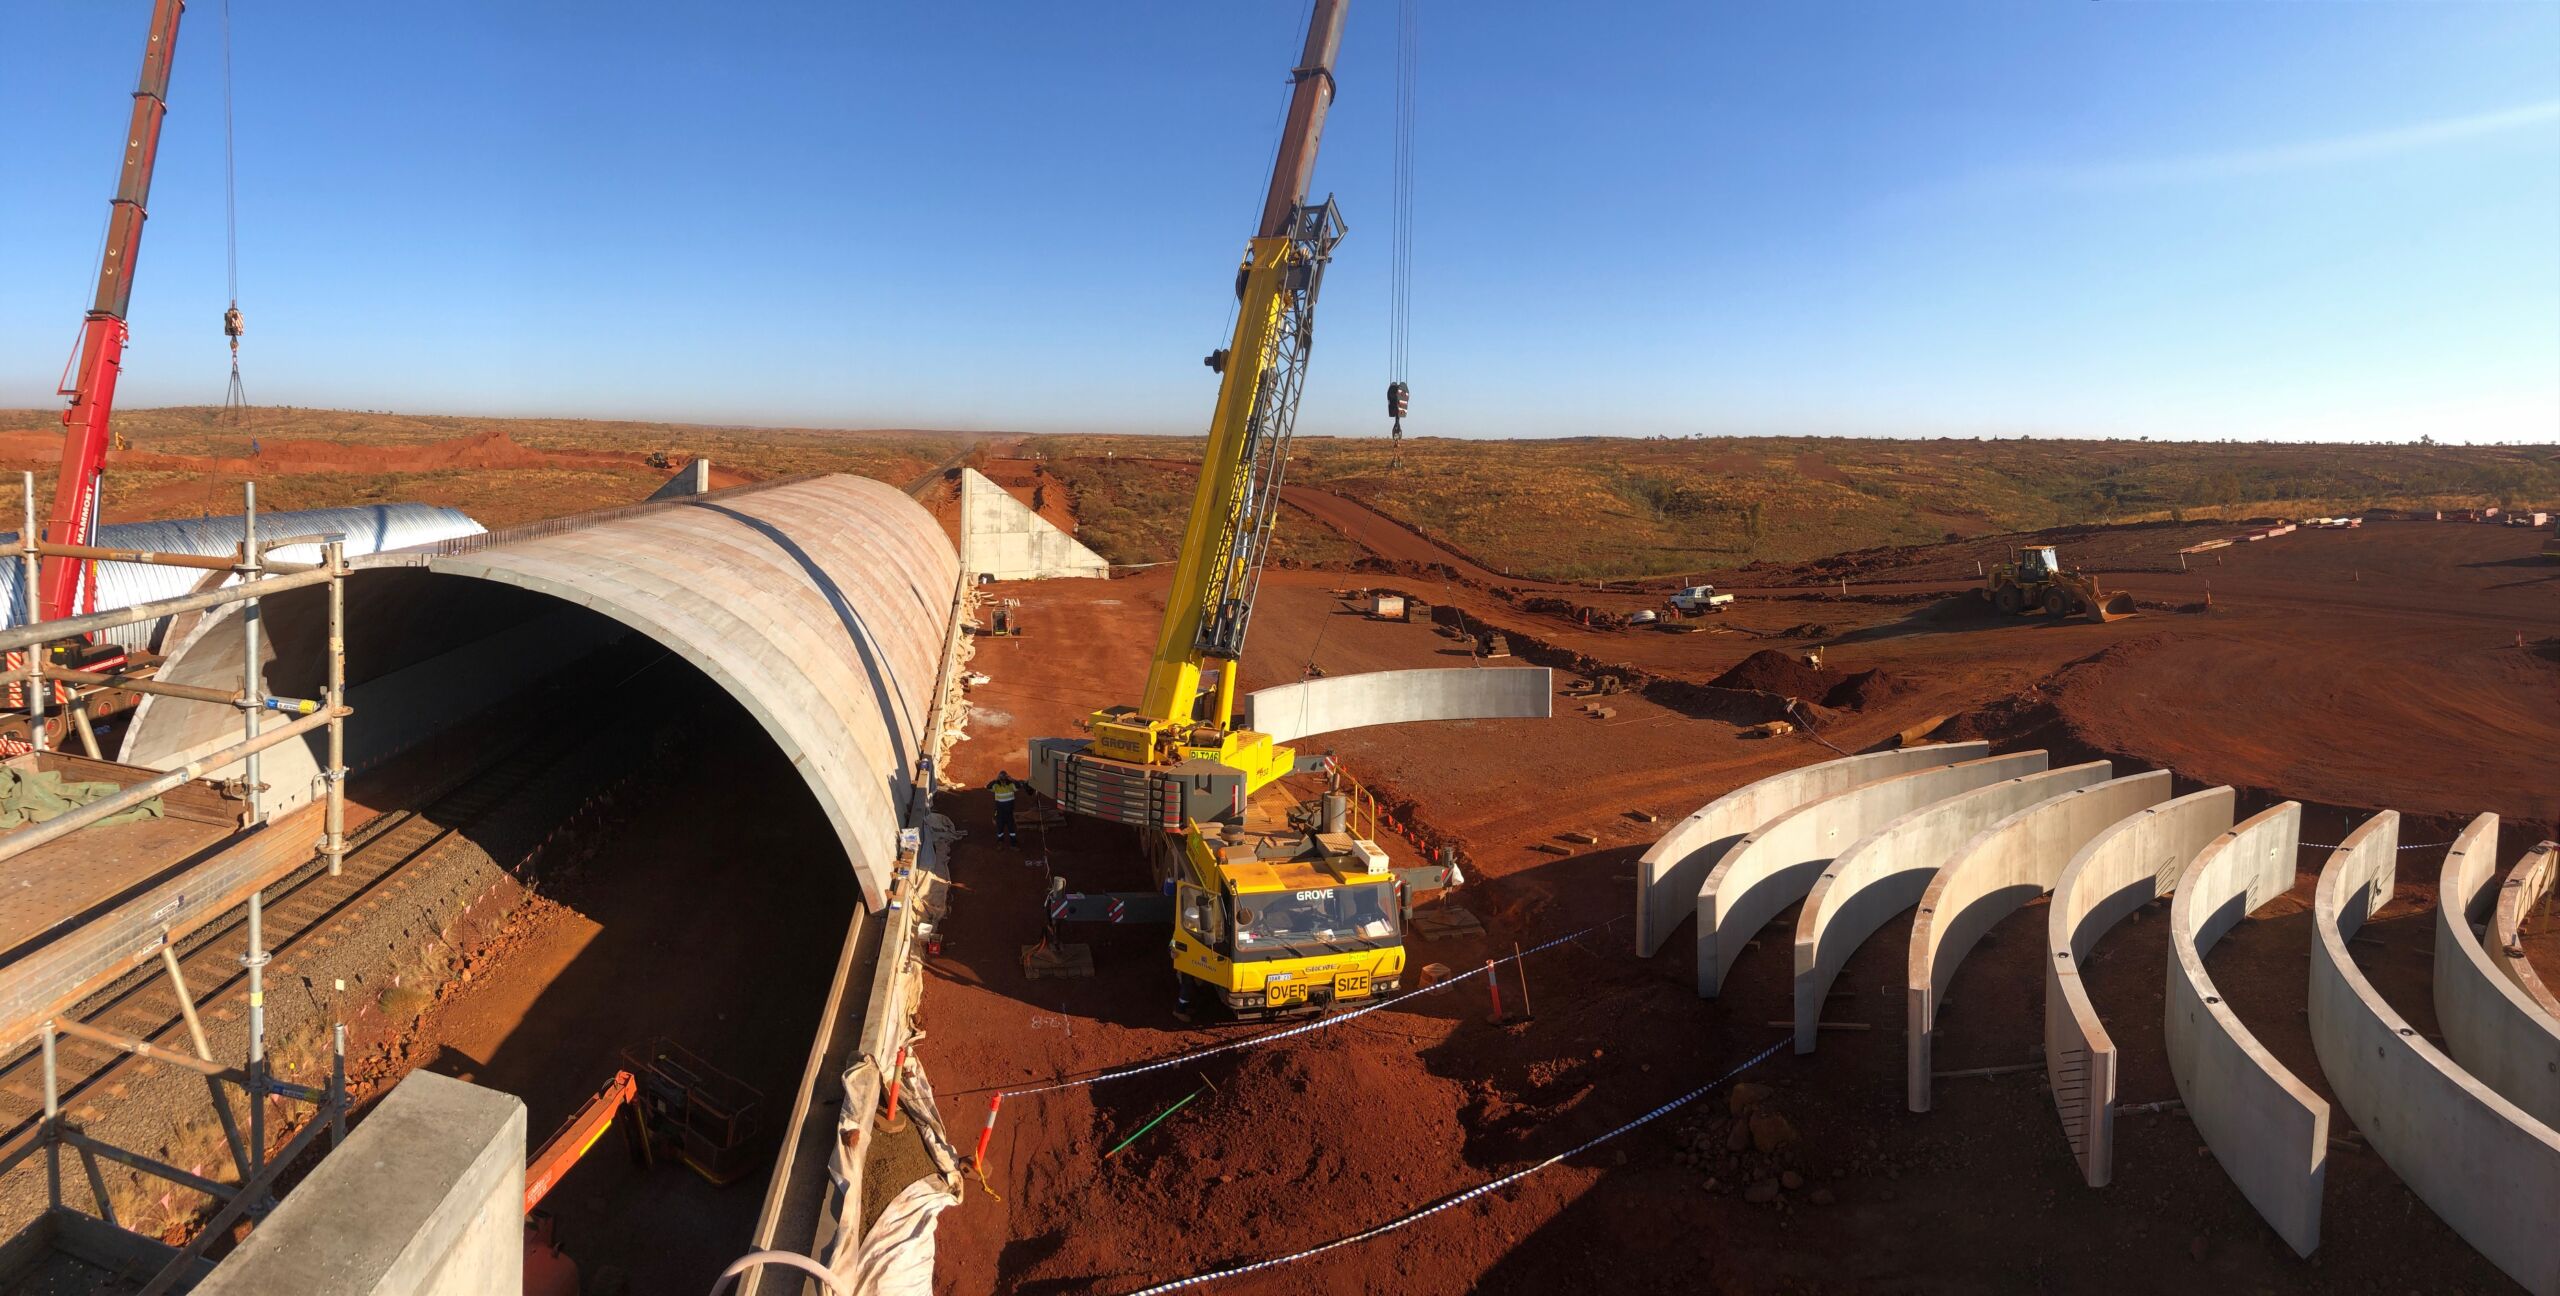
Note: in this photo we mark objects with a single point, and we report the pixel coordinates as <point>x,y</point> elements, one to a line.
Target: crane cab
<point>1272,924</point>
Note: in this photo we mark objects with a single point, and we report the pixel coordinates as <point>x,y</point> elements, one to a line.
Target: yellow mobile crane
<point>1266,921</point>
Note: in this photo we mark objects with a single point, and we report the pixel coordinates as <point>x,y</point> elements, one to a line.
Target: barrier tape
<point>1470,1194</point>
<point>1320,1023</point>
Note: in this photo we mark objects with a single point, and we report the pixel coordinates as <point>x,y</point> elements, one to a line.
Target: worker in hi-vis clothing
<point>1004,790</point>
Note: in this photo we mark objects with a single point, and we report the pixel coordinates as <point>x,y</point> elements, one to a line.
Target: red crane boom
<point>63,588</point>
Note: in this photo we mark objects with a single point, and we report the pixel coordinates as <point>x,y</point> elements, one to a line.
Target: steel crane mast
<point>1235,502</point>
<point>63,588</point>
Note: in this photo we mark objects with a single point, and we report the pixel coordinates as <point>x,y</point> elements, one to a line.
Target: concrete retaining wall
<point>425,1199</point>
<point>2122,869</point>
<point>1338,702</point>
<point>1001,537</point>
<point>1991,877</point>
<point>2478,1161</point>
<point>1668,876</point>
<point>2525,887</point>
<point>2266,1127</point>
<point>1888,870</point>
<point>1777,863</point>
<point>2491,1026</point>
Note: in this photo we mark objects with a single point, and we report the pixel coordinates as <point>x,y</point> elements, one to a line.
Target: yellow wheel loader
<point>2033,580</point>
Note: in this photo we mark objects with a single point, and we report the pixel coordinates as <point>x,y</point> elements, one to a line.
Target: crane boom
<point>1235,502</point>
<point>60,587</point>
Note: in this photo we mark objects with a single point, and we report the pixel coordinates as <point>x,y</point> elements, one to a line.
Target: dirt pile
<point>1783,673</point>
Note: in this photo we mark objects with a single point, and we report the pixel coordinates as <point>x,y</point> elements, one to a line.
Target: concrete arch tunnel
<point>821,606</point>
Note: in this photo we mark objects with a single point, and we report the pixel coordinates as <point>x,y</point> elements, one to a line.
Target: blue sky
<point>2170,219</point>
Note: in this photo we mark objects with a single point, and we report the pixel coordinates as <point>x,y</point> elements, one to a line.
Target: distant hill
<point>1619,506</point>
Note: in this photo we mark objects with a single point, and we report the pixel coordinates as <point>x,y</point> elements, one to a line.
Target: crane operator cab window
<point>1339,918</point>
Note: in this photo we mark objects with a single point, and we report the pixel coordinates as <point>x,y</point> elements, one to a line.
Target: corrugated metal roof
<point>366,529</point>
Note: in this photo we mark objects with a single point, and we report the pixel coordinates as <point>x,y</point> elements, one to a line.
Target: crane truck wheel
<point>2008,599</point>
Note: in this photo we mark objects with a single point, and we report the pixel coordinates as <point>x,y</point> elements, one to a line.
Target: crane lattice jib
<point>1236,571</point>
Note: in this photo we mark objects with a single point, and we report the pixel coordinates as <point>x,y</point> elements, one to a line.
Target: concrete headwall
<point>820,605</point>
<point>2491,1026</point>
<point>1338,702</point>
<point>426,1198</point>
<point>2527,883</point>
<point>2481,1163</point>
<point>1001,537</point>
<point>1668,876</point>
<point>1992,876</point>
<point>1777,863</point>
<point>2122,869</point>
<point>1888,870</point>
<point>2266,1127</point>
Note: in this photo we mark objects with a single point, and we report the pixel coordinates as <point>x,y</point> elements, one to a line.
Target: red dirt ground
<point>2350,669</point>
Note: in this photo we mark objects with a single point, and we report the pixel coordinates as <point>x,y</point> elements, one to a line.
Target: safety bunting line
<point>995,1101</point>
<point>1316,1025</point>
<point>1470,1194</point>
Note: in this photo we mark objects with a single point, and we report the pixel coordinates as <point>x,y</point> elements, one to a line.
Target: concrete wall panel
<point>1001,537</point>
<point>2491,1026</point>
<point>425,1199</point>
<point>2526,885</point>
<point>1777,864</point>
<point>1990,877</point>
<point>1338,702</point>
<point>821,605</point>
<point>1668,876</point>
<point>2266,1127</point>
<point>1888,870</point>
<point>2123,868</point>
<point>2481,1163</point>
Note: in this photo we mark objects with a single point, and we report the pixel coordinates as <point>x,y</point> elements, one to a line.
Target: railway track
<point>504,807</point>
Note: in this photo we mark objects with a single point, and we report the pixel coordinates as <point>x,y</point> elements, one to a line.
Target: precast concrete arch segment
<point>1334,703</point>
<point>2491,1026</point>
<point>2481,1163</point>
<point>2266,1127</point>
<point>1776,865</point>
<point>1667,877</point>
<point>1992,876</point>
<point>2122,869</point>
<point>2527,883</point>
<point>820,605</point>
<point>1888,870</point>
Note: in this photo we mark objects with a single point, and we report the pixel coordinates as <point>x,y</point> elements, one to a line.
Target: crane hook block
<point>1399,400</point>
<point>233,325</point>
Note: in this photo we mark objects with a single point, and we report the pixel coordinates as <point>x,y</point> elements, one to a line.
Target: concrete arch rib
<point>2266,1127</point>
<point>1668,876</point>
<point>821,606</point>
<point>2481,1163</point>
<point>1335,703</point>
<point>1888,870</point>
<point>1991,877</point>
<point>2122,869</point>
<point>1776,865</point>
<point>812,604</point>
<point>2525,887</point>
<point>2491,1026</point>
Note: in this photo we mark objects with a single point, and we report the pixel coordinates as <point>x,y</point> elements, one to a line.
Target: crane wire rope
<point>1400,239</point>
<point>235,401</point>
<point>1400,234</point>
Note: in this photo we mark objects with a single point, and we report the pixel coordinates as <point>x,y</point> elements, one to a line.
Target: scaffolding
<point>31,647</point>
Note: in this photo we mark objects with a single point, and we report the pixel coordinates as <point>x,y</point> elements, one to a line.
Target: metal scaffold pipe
<point>252,676</point>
